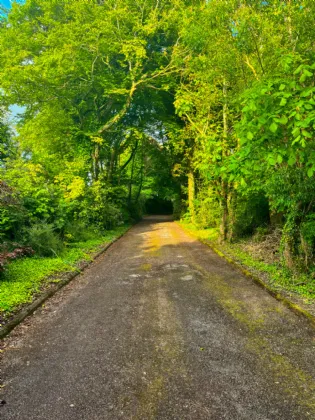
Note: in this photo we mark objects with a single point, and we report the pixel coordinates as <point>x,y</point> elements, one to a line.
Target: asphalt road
<point>160,327</point>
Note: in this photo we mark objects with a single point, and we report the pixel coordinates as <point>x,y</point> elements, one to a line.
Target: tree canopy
<point>207,104</point>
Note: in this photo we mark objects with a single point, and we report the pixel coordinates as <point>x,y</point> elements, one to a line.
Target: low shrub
<point>79,232</point>
<point>42,238</point>
<point>248,214</point>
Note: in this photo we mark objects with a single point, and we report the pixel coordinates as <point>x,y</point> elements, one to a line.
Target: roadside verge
<point>55,284</point>
<point>291,300</point>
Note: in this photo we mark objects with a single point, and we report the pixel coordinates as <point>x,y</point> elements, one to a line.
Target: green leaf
<point>308,73</point>
<point>296,140</point>
<point>303,78</point>
<point>273,127</point>
<point>306,92</point>
<point>283,102</point>
<point>292,160</point>
<point>282,87</point>
<point>298,69</point>
<point>306,134</point>
<point>283,120</point>
<point>296,131</point>
<point>250,135</point>
<point>310,172</point>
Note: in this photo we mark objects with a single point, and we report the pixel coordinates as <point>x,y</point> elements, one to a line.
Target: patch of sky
<point>234,29</point>
<point>13,116</point>
<point>15,111</point>
<point>5,3</point>
<point>8,3</point>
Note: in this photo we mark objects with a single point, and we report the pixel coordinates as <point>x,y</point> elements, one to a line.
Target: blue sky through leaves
<point>7,3</point>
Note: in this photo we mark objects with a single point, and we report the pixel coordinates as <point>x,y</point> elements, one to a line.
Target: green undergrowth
<point>210,234</point>
<point>25,277</point>
<point>279,277</point>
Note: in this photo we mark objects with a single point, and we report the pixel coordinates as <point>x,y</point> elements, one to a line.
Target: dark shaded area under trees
<point>155,205</point>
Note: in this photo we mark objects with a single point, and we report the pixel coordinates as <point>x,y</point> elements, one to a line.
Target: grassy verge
<point>26,277</point>
<point>278,277</point>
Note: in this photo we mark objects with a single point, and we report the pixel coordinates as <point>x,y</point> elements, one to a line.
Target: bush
<point>79,232</point>
<point>42,238</point>
<point>99,209</point>
<point>135,211</point>
<point>208,212</point>
<point>248,214</point>
<point>12,213</point>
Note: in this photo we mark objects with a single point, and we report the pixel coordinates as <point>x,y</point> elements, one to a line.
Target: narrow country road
<point>160,327</point>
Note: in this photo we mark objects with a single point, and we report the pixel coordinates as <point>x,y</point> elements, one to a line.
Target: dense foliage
<point>208,104</point>
<point>90,77</point>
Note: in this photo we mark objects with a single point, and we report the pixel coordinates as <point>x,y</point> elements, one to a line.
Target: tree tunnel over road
<point>157,205</point>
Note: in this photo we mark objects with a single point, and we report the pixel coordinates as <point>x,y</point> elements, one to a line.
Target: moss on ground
<point>288,376</point>
<point>279,278</point>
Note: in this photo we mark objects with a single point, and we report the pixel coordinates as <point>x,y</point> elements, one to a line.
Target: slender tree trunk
<point>224,184</point>
<point>224,228</point>
<point>288,250</point>
<point>191,196</point>
<point>290,236</point>
<point>131,181</point>
<point>232,205</point>
<point>307,251</point>
<point>141,174</point>
<point>289,20</point>
<point>111,165</point>
<point>140,185</point>
<point>96,163</point>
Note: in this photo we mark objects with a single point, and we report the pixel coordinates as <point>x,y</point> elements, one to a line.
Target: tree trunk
<point>111,165</point>
<point>141,175</point>
<point>131,181</point>
<point>224,184</point>
<point>191,196</point>
<point>288,252</point>
<point>95,159</point>
<point>232,206</point>
<point>224,228</point>
<point>289,239</point>
<point>140,186</point>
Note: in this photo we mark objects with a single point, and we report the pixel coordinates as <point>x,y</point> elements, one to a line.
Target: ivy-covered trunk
<point>224,228</point>
<point>224,184</point>
<point>232,206</point>
<point>96,161</point>
<point>290,239</point>
<point>191,196</point>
